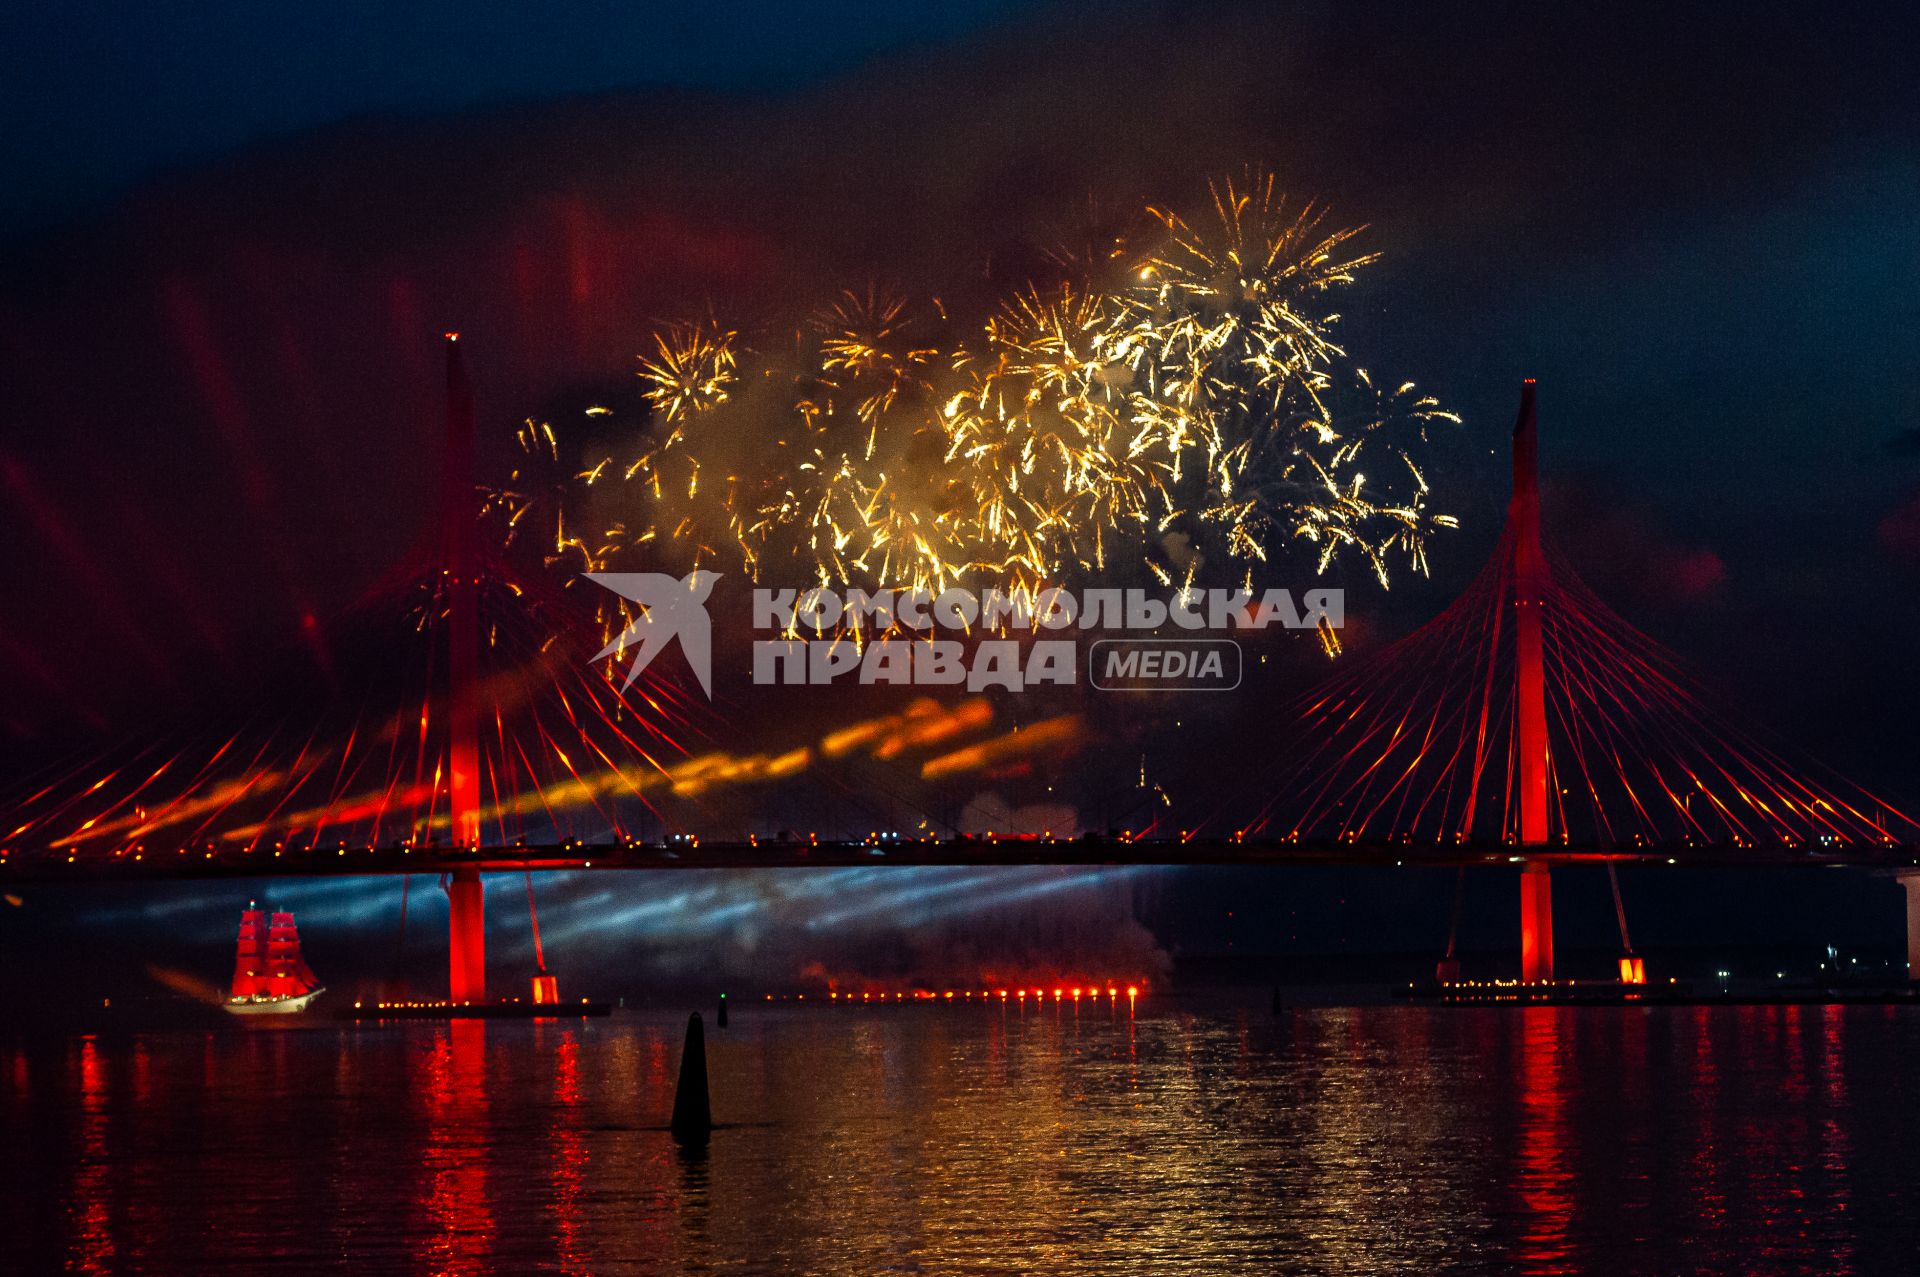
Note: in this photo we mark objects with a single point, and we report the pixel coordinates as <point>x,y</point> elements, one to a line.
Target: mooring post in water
<point>692,1108</point>
<point>1278,1005</point>
<point>723,1011</point>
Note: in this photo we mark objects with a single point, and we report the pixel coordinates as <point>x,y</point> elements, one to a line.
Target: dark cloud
<point>224,391</point>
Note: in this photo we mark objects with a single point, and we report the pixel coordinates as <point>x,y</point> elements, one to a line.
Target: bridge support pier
<point>1536,922</point>
<point>1910,879</point>
<point>466,937</point>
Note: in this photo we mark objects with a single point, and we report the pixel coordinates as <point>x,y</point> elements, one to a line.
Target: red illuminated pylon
<point>466,897</point>
<point>1529,567</point>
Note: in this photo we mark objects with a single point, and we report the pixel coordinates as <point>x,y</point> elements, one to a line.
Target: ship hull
<point>288,1005</point>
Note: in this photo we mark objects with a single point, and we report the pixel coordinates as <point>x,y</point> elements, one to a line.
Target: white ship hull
<point>287,1005</point>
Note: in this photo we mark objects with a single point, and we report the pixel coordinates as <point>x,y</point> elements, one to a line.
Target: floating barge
<point>512,1009</point>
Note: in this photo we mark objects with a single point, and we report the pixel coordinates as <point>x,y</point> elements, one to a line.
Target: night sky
<point>231,243</point>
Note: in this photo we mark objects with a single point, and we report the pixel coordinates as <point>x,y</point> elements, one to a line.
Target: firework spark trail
<point>1184,406</point>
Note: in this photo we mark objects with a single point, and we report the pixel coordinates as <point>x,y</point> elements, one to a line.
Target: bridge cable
<point>539,954</point>
<point>1619,909</point>
<point>1459,899</point>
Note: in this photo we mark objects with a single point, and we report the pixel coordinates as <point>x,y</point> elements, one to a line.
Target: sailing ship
<point>269,975</point>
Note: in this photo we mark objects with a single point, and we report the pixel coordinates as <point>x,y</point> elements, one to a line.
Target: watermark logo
<point>995,638</point>
<point>671,607</point>
<point>1164,665</point>
<point>1022,639</point>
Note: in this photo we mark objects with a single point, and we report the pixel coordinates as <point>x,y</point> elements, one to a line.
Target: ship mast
<point>250,960</point>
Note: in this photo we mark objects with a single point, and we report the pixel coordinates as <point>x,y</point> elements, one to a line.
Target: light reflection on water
<point>1204,1137</point>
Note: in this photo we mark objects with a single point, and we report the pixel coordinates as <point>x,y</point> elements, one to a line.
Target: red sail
<point>287,972</point>
<point>250,965</point>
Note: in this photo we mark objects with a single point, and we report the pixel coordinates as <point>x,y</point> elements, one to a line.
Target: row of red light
<point>435,1005</point>
<point>1059,994</point>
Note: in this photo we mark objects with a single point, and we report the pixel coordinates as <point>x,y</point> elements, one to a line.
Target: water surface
<point>1185,1138</point>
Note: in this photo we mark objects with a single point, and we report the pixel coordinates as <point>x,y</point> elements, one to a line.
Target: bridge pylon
<point>1528,566</point>
<point>466,895</point>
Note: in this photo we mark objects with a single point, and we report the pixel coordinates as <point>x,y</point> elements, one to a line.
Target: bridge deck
<point>800,854</point>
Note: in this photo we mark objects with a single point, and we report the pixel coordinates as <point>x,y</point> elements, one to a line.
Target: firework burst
<point>1185,388</point>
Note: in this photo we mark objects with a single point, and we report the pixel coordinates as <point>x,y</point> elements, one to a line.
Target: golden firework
<point>1189,409</point>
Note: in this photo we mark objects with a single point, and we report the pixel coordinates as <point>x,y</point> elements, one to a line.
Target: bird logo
<point>670,608</point>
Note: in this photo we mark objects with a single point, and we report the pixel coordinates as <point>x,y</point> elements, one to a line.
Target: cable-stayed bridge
<point>1527,725</point>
